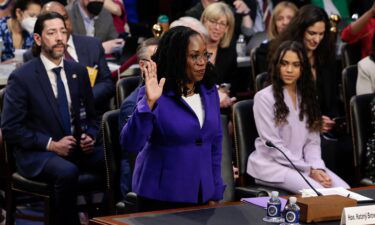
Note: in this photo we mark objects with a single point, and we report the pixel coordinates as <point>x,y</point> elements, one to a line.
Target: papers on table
<point>334,191</point>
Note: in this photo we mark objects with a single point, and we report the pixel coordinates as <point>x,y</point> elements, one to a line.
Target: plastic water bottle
<point>241,46</point>
<point>291,212</point>
<point>274,209</point>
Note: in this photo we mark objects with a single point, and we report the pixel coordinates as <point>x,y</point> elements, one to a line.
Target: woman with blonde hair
<point>219,20</point>
<point>282,14</point>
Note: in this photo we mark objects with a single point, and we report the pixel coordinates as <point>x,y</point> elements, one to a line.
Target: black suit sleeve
<point>104,87</point>
<point>14,116</point>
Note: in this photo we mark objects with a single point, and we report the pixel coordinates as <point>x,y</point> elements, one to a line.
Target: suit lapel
<point>72,79</point>
<point>47,89</point>
<point>80,50</point>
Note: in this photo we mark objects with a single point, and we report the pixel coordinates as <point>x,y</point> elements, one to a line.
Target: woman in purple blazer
<point>287,114</point>
<point>176,127</point>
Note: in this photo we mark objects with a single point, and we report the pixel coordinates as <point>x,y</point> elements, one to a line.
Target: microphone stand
<point>271,145</point>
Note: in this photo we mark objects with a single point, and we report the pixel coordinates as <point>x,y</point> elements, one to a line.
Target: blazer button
<point>199,142</point>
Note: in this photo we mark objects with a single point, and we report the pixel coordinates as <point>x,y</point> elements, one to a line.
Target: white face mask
<point>28,24</point>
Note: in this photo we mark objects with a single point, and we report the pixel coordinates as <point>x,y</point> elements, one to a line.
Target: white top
<point>366,76</point>
<point>72,49</point>
<point>195,103</point>
<point>52,77</point>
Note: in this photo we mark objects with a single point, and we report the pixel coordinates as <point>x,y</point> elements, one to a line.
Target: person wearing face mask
<point>16,30</point>
<point>89,18</point>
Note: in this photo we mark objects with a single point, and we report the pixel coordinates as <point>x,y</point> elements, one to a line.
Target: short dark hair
<point>22,5</point>
<point>39,26</point>
<point>171,60</point>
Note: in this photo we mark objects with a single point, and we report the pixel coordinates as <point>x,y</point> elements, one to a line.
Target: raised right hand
<point>154,89</point>
<point>64,146</point>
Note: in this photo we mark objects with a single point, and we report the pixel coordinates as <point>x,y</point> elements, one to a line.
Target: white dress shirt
<point>195,103</point>
<point>49,65</point>
<point>72,49</point>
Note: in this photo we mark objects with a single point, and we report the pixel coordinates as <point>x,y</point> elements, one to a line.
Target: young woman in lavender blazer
<point>287,114</point>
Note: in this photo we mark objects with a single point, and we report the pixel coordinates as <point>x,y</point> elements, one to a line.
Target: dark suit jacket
<point>31,117</point>
<point>91,53</point>
<point>104,28</point>
<point>226,64</point>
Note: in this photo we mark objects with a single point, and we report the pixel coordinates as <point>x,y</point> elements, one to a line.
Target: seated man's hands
<point>114,45</point>
<point>64,146</point>
<point>321,177</point>
<point>87,143</point>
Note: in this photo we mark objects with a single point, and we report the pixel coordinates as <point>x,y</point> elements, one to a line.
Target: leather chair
<point>112,156</point>
<point>349,80</point>
<point>226,161</point>
<point>15,184</point>
<point>361,132</point>
<point>253,61</point>
<point>2,166</point>
<point>124,87</point>
<point>245,133</point>
<point>261,81</point>
<point>350,54</point>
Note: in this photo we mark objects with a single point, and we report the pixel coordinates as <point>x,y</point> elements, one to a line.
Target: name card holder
<point>360,215</point>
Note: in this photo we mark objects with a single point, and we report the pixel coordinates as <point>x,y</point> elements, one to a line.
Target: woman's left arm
<point>312,151</point>
<point>216,156</point>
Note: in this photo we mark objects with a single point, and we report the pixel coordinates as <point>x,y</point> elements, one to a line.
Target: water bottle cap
<point>163,19</point>
<point>274,193</point>
<point>292,200</point>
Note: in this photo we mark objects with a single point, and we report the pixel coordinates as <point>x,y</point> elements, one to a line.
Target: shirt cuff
<point>49,142</point>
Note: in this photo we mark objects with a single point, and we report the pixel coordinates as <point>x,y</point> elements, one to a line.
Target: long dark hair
<point>307,16</point>
<point>171,60</point>
<point>305,87</point>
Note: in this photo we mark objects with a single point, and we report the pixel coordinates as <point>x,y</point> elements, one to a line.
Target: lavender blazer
<point>176,157</point>
<point>296,141</point>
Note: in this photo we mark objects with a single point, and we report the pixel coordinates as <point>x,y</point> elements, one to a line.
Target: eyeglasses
<point>221,25</point>
<point>198,57</point>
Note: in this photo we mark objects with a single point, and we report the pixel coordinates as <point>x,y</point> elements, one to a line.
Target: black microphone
<point>271,145</point>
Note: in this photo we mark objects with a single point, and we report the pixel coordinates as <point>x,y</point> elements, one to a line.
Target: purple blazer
<point>176,157</point>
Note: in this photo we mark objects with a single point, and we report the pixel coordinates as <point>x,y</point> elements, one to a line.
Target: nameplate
<point>359,215</point>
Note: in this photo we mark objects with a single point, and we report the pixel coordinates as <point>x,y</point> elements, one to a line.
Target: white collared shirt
<point>195,103</point>
<point>72,49</point>
<point>52,77</point>
<point>48,65</point>
<point>88,22</point>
